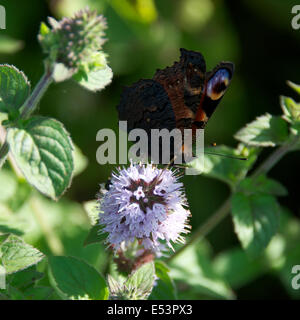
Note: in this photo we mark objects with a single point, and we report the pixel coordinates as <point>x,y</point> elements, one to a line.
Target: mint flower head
<point>74,45</point>
<point>147,204</point>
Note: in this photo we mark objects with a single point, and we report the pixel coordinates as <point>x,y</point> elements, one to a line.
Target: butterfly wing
<point>216,84</point>
<point>146,105</point>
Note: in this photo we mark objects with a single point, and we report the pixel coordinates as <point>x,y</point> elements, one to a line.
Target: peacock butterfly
<point>182,96</point>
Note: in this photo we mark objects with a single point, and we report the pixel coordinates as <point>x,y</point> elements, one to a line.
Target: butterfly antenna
<point>214,144</point>
<point>226,156</point>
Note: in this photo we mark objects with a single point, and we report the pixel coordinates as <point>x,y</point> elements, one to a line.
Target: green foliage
<point>95,80</point>
<point>75,279</point>
<point>255,219</point>
<point>294,86</point>
<point>14,89</point>
<point>8,185</point>
<point>41,147</point>
<point>95,235</point>
<point>225,169</point>
<point>24,278</point>
<point>262,184</point>
<point>43,152</point>
<point>6,228</point>
<point>25,285</point>
<point>138,285</point>
<point>17,255</point>
<point>38,293</point>
<point>164,288</point>
<point>255,209</point>
<point>265,131</point>
<point>193,268</point>
<point>279,257</point>
<point>238,268</point>
<point>73,47</point>
<point>80,161</point>
<point>291,109</point>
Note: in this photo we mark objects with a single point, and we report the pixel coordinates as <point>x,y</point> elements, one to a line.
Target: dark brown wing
<point>184,83</point>
<point>146,105</point>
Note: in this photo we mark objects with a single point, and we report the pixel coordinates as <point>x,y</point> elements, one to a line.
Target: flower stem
<point>269,163</point>
<point>224,210</point>
<point>33,100</point>
<point>206,227</point>
<point>29,106</point>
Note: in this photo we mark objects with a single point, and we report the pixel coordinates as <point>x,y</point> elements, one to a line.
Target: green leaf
<point>262,184</point>
<point>38,293</point>
<point>8,185</point>
<point>14,88</point>
<point>95,80</point>
<point>24,278</point>
<point>265,131</point>
<point>17,255</point>
<point>140,283</point>
<point>225,169</point>
<point>43,152</point>
<point>12,223</point>
<point>9,45</point>
<point>193,268</point>
<point>20,197</point>
<point>15,294</point>
<point>164,289</point>
<point>14,192</point>
<point>80,161</point>
<point>237,268</point>
<point>7,227</point>
<point>76,279</point>
<point>92,209</point>
<point>44,29</point>
<point>3,237</point>
<point>255,220</point>
<point>294,86</point>
<point>95,234</point>
<point>115,289</point>
<point>284,252</point>
<point>290,108</point>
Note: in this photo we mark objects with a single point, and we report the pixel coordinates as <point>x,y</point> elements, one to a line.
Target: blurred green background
<point>144,35</point>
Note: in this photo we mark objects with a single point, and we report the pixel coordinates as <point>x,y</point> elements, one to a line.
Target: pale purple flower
<point>147,204</point>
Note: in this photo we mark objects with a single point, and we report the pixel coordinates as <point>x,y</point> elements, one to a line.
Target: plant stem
<point>269,163</point>
<point>224,210</point>
<point>206,227</point>
<point>29,106</point>
<point>39,90</point>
